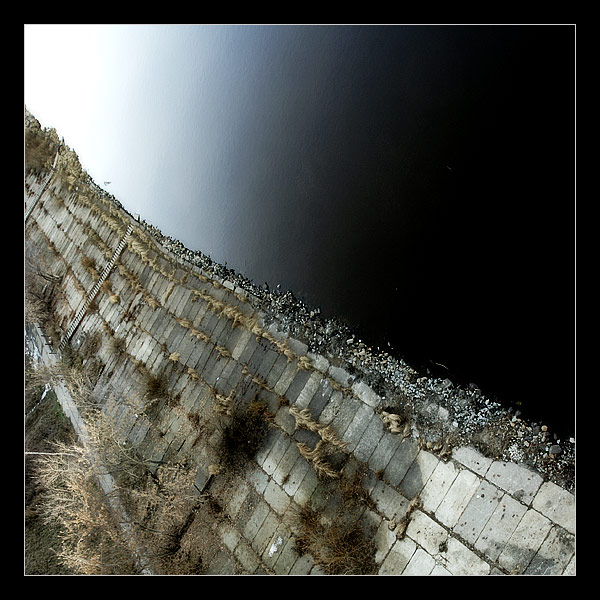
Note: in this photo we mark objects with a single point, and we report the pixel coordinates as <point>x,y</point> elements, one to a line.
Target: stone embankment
<point>437,480</point>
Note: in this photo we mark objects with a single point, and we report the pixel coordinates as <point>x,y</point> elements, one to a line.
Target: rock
<point>555,449</point>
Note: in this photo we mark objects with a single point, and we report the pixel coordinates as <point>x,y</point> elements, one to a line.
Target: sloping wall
<point>182,357</point>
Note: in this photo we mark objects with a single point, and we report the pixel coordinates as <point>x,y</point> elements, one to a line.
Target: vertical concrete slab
<point>456,499</point>
<point>524,542</point>
<point>478,511</point>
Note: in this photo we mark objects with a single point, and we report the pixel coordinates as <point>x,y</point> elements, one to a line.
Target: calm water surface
<point>416,182</point>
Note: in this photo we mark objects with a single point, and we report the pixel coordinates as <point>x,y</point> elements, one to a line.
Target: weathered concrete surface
<point>432,509</point>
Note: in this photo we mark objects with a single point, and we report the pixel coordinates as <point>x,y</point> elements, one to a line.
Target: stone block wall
<point>213,357</point>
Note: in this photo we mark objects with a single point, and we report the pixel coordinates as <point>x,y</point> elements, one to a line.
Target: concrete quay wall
<point>430,510</point>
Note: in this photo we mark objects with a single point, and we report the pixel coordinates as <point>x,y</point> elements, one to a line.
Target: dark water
<point>418,183</point>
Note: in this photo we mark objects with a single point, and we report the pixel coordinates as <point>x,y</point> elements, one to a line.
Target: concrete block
<point>266,364</point>
<point>420,563</point>
<point>188,308</point>
<point>295,477</point>
<point>224,380</point>
<point>357,426</point>
<point>427,533</point>
<point>287,555</point>
<point>287,376</point>
<point>255,522</point>
<point>384,539</point>
<point>246,557</point>
<point>303,565</point>
<point>177,335</point>
<point>282,472</point>
<point>519,481</point>
<point>278,449</point>
<point>309,390</point>
<point>389,501</point>
<point>274,331</point>
<point>370,439</point>
<point>398,557</point>
<point>366,394</point>
<point>229,535</point>
<point>276,498</point>
<point>317,570</point>
<point>202,478</point>
<point>419,472</point>
<point>459,560</point>
<point>233,338</point>
<point>456,499</point>
<point>525,541</point>
<point>297,347</point>
<point>258,479</point>
<point>439,570</point>
<point>478,511</point>
<point>257,356</point>
<point>332,408</point>
<point>185,348</point>
<point>320,398</point>
<point>320,363</point>
<point>200,355</point>
<point>213,368</point>
<point>183,295</point>
<point>472,459</point>
<point>243,355</point>
<point>557,504</point>
<point>341,376</point>
<point>345,414</point>
<point>308,484</point>
<point>238,497</point>
<point>401,461</point>
<point>437,485</point>
<point>284,420</point>
<point>297,384</point>
<point>265,533</point>
<point>387,446</point>
<point>139,432</point>
<point>276,370</point>
<point>241,344</point>
<point>272,438</point>
<point>554,554</point>
<point>570,569</point>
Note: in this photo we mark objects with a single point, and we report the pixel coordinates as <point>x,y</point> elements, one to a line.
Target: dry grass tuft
<point>156,387</point>
<point>305,420</point>
<point>340,548</point>
<point>243,436</point>
<point>319,458</point>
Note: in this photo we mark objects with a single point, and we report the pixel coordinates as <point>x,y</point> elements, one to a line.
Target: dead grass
<point>340,548</point>
<point>322,456</point>
<point>89,264</point>
<point>343,545</point>
<point>117,345</point>
<point>90,538</point>
<point>156,387</point>
<point>243,435</point>
<point>45,423</point>
<point>160,506</point>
